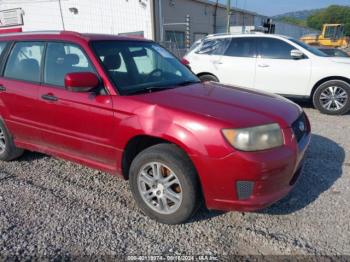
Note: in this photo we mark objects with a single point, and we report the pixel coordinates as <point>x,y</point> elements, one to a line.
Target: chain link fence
<point>173,48</point>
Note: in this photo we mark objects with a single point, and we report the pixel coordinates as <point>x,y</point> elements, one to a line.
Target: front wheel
<point>164,184</point>
<point>332,97</point>
<point>208,78</point>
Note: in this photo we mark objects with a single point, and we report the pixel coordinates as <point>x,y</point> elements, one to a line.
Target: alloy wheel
<point>160,188</point>
<point>2,141</point>
<point>333,98</point>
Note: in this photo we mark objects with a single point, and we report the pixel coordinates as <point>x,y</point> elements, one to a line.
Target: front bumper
<point>273,173</point>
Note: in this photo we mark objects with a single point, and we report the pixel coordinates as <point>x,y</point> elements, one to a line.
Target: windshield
<point>334,52</point>
<point>309,48</point>
<point>136,66</point>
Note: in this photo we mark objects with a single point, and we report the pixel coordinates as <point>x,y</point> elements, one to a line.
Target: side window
<point>61,59</point>
<point>274,48</point>
<point>2,47</point>
<point>25,61</point>
<point>242,47</point>
<point>214,46</point>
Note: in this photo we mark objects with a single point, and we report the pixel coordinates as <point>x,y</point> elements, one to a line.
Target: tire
<point>208,78</point>
<point>8,150</point>
<point>330,95</point>
<point>172,162</point>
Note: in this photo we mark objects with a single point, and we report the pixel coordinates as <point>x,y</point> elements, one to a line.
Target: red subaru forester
<point>129,107</point>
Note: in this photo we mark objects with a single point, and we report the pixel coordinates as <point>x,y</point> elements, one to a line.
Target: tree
<point>334,14</point>
<point>293,21</point>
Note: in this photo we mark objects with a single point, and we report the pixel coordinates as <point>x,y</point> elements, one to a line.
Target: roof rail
<point>48,32</point>
<point>70,33</point>
<point>242,33</point>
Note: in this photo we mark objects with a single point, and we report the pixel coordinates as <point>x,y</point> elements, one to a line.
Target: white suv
<point>276,64</point>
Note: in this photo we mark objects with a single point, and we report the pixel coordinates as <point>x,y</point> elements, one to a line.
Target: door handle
<point>49,97</point>
<point>2,88</point>
<point>263,65</point>
<point>217,63</point>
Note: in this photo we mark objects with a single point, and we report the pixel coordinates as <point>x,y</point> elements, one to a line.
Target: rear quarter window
<point>214,46</point>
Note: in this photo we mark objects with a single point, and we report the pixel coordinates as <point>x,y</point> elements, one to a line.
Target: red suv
<point>129,107</point>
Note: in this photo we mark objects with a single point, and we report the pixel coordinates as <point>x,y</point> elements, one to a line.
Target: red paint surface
<point>81,80</point>
<point>94,129</point>
<point>10,30</point>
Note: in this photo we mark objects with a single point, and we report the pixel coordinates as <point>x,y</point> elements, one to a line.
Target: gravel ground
<point>56,209</point>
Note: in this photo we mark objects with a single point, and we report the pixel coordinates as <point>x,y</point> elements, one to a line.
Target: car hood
<point>236,107</point>
<point>341,60</point>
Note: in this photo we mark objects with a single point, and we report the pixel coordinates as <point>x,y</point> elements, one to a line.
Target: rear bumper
<point>272,173</point>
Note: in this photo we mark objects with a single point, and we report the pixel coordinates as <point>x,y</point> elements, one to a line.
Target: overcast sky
<point>275,7</point>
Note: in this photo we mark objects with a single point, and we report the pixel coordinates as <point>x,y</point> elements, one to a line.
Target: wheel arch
<point>138,143</point>
<point>207,73</point>
<point>327,79</point>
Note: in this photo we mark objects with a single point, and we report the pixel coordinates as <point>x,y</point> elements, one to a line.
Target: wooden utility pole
<point>215,16</point>
<point>228,16</point>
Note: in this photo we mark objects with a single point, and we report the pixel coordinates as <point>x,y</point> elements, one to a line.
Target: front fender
<point>156,122</point>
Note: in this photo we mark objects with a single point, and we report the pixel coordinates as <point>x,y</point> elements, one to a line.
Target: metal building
<point>94,16</point>
<point>176,24</point>
<point>179,23</point>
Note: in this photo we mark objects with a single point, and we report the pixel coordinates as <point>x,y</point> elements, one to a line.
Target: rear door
<point>19,86</point>
<point>237,65</point>
<point>75,124</point>
<point>277,72</point>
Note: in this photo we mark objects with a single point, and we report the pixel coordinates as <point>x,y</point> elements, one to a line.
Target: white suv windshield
<point>309,48</point>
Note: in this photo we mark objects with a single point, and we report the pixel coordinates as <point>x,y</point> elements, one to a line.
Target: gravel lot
<point>56,209</point>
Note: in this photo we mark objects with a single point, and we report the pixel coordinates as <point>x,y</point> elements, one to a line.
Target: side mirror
<point>296,54</point>
<point>80,82</point>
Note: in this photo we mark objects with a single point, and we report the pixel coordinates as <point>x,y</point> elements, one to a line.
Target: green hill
<point>334,14</point>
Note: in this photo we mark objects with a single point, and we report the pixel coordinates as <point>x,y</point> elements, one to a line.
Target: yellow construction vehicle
<point>332,36</point>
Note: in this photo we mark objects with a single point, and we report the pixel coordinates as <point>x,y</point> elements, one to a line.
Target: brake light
<point>185,62</point>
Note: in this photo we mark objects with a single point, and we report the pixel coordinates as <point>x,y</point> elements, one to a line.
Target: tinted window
<point>214,46</point>
<point>274,48</point>
<point>136,66</point>
<point>2,46</point>
<point>24,61</point>
<point>61,59</point>
<point>241,47</point>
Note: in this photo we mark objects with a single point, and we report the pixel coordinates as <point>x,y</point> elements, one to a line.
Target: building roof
<point>65,35</point>
<point>213,3</point>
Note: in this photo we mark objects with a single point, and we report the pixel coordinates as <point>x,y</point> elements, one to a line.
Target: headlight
<point>255,138</point>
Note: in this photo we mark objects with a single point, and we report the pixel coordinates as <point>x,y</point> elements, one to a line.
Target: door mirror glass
<point>81,82</point>
<point>296,54</point>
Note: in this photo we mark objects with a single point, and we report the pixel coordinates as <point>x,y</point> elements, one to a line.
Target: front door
<point>277,72</point>
<point>76,124</point>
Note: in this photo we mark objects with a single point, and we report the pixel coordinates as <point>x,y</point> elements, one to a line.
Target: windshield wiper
<point>148,90</point>
<point>151,89</point>
<point>189,82</point>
